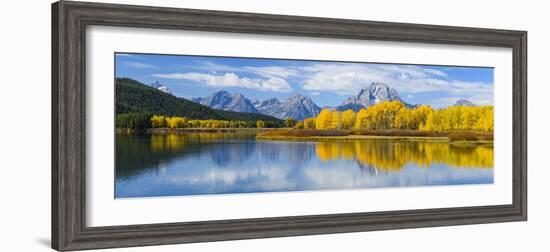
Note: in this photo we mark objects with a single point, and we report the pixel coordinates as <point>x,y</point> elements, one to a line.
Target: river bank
<point>288,134</point>
<point>320,135</point>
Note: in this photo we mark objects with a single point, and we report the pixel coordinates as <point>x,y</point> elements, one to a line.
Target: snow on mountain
<point>297,107</point>
<point>269,106</point>
<point>377,92</point>
<point>156,84</point>
<point>256,102</point>
<point>225,101</point>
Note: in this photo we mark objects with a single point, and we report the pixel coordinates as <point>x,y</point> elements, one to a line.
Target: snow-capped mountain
<point>464,102</point>
<point>156,84</point>
<point>377,92</point>
<point>269,106</point>
<point>297,107</point>
<point>256,102</point>
<point>225,101</point>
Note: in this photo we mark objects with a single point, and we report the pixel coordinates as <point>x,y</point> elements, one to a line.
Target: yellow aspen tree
<point>454,117</point>
<point>486,119</point>
<point>166,121</point>
<point>172,122</point>
<point>348,119</point>
<point>158,121</point>
<point>361,119</point>
<point>324,119</point>
<point>392,108</point>
<point>420,115</point>
<point>435,121</point>
<point>469,117</point>
<point>309,123</point>
<point>336,120</point>
<point>403,119</point>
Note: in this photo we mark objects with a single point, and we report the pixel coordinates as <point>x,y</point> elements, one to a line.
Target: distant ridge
<point>464,102</point>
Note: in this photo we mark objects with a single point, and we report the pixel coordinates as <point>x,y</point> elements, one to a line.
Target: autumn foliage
<point>394,156</point>
<point>182,122</point>
<point>386,116</point>
<point>394,115</point>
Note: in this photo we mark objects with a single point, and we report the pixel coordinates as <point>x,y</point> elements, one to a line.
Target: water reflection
<point>206,163</point>
<point>388,155</point>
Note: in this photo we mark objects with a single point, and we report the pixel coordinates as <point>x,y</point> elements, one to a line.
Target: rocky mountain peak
<point>297,96</point>
<point>375,93</point>
<point>269,102</point>
<point>225,101</point>
<point>156,84</point>
<point>298,106</point>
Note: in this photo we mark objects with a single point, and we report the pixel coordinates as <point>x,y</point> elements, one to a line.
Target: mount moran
<point>298,106</point>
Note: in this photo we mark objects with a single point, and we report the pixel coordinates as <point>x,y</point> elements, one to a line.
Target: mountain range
<point>133,96</point>
<point>298,107</point>
<point>229,102</point>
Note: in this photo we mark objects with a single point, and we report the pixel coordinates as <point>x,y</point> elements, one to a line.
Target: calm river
<point>212,163</point>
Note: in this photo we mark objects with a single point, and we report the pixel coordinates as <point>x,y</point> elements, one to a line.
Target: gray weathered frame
<point>69,20</point>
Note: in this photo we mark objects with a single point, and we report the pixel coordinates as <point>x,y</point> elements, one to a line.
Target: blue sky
<point>327,83</point>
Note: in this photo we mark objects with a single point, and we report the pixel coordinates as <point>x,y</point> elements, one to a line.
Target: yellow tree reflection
<point>393,156</point>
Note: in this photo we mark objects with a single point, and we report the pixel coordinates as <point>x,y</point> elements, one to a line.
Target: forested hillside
<point>135,97</point>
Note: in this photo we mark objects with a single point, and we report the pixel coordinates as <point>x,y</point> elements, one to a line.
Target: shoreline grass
<point>457,137</point>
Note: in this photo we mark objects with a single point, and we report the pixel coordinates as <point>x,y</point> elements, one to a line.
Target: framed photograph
<point>178,125</point>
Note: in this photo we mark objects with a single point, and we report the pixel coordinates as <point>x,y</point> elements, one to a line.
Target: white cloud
<point>339,78</point>
<point>267,71</point>
<point>404,72</point>
<point>476,98</point>
<point>315,93</point>
<point>435,72</point>
<point>268,177</point>
<point>135,64</point>
<point>273,71</point>
<point>213,67</point>
<point>232,80</point>
<point>342,79</point>
<point>345,79</point>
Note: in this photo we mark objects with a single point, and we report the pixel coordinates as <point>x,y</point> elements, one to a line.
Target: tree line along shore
<point>391,119</point>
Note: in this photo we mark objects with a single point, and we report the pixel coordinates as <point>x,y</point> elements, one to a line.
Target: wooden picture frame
<point>69,21</point>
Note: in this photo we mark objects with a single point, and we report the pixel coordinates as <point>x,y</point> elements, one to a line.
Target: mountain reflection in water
<point>209,163</point>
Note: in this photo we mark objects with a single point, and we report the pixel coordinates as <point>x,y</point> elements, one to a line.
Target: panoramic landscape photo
<point>196,125</point>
